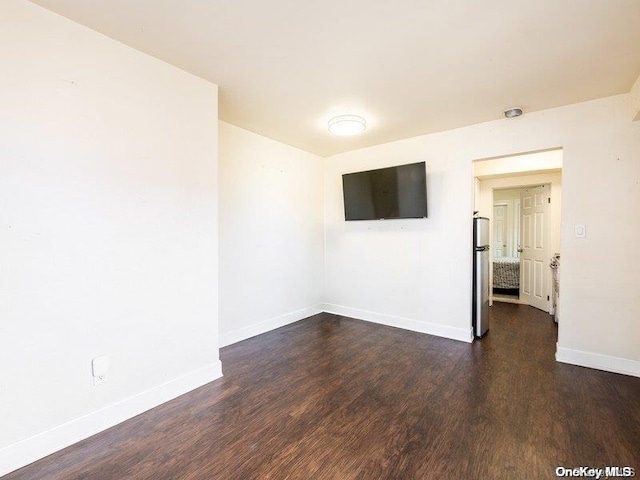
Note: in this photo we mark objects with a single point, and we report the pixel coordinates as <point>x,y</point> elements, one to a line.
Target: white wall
<point>525,163</point>
<point>507,194</point>
<point>271,234</point>
<point>635,100</point>
<point>417,273</point>
<point>108,240</point>
<point>410,273</point>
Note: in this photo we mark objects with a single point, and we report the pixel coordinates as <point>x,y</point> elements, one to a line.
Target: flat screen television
<point>394,192</point>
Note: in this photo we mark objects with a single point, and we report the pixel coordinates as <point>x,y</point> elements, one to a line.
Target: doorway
<point>506,243</point>
<point>522,245</point>
<point>522,203</point>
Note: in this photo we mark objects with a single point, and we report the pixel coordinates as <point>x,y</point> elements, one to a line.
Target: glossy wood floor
<point>335,398</point>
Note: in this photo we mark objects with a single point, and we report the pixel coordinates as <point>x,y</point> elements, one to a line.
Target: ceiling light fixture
<point>347,125</point>
<point>513,112</point>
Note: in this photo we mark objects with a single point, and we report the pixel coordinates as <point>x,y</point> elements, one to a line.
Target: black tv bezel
<point>426,203</point>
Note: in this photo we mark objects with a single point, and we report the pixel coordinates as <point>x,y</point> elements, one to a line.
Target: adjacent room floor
<point>335,398</point>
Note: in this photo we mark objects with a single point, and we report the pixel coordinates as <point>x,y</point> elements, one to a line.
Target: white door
<point>534,249</point>
<point>499,231</point>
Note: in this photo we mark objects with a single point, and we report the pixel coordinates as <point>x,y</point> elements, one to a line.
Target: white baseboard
<point>45,443</point>
<point>507,300</point>
<point>267,325</point>
<point>598,361</point>
<point>461,334</point>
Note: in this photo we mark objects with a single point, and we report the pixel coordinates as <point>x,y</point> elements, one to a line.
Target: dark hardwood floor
<point>335,398</point>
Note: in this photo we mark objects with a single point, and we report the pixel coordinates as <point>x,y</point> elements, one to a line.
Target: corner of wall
<point>635,100</point>
<point>265,326</point>
<point>24,452</point>
<point>444,331</point>
<point>598,361</point>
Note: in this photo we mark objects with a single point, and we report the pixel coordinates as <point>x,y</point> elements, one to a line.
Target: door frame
<point>548,249</point>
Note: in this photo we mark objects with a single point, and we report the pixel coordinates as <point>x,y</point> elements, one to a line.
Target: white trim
<point>500,298</point>
<point>45,443</point>
<point>598,361</point>
<point>460,334</point>
<point>267,325</point>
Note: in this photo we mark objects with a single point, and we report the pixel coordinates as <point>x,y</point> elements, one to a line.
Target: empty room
<point>300,240</point>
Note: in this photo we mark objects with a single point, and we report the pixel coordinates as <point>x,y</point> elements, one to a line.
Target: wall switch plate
<point>580,231</point>
<point>100,368</point>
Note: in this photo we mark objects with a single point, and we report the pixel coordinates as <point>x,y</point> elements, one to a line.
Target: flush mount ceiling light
<point>513,112</point>
<point>347,125</point>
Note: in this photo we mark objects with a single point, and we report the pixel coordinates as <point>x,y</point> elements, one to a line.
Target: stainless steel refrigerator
<point>480,307</point>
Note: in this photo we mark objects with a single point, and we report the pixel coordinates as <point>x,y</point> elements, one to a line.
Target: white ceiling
<point>410,67</point>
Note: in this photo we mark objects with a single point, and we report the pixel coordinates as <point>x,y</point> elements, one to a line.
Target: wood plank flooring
<point>335,398</point>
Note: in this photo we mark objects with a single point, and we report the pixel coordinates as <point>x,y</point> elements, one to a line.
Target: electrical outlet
<point>100,368</point>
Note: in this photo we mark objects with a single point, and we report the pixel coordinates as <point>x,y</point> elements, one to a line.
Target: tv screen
<point>394,192</point>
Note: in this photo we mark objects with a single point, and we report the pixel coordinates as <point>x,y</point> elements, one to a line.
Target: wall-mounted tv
<point>394,192</point>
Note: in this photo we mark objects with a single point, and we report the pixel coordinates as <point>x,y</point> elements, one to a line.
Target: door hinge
<point>549,199</point>
<point>548,298</point>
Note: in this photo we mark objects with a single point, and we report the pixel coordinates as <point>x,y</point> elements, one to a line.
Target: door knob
<point>519,249</point>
